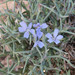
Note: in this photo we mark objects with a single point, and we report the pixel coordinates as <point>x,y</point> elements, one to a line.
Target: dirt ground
<point>10,5</point>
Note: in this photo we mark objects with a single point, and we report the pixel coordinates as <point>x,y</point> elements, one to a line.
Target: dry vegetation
<point>70,47</point>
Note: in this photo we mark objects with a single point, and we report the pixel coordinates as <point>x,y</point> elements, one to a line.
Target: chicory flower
<point>26,29</point>
<point>55,38</point>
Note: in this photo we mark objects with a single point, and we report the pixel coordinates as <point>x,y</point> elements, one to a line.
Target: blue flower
<point>43,26</point>
<point>55,38</point>
<point>39,34</point>
<point>38,29</point>
<point>26,29</point>
<point>39,43</point>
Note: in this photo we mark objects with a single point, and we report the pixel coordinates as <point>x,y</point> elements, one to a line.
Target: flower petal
<point>44,25</point>
<point>32,31</point>
<point>30,26</point>
<point>48,35</point>
<point>39,33</point>
<point>40,44</point>
<point>23,24</point>
<point>59,37</point>
<point>56,31</point>
<point>36,25</point>
<point>35,44</point>
<point>21,29</point>
<point>50,40</point>
<point>26,34</point>
<point>57,41</point>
